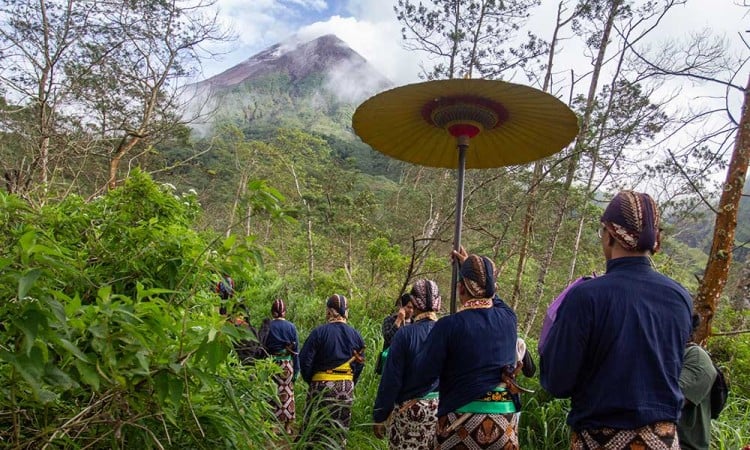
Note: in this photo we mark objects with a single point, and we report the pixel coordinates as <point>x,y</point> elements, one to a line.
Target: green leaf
<point>215,353</point>
<point>143,361</point>
<point>147,293</point>
<point>229,242</point>
<point>75,351</point>
<point>27,240</point>
<point>56,377</point>
<point>26,281</point>
<point>29,324</point>
<point>176,387</point>
<point>104,293</point>
<point>73,306</point>
<point>161,385</point>
<point>57,309</point>
<point>30,367</point>
<point>88,374</point>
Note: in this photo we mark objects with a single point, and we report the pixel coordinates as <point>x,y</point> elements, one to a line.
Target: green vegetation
<point>110,335</point>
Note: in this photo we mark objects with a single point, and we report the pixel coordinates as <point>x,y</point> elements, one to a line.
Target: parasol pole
<point>463,145</point>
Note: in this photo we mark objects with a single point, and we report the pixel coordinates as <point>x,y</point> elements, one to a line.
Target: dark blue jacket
<point>616,347</point>
<point>399,381</point>
<point>280,334</point>
<point>329,346</point>
<point>468,351</point>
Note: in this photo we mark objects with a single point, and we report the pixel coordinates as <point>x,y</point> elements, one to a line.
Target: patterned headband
<point>426,296</point>
<point>478,274</point>
<point>632,218</point>
<point>278,309</point>
<point>338,303</point>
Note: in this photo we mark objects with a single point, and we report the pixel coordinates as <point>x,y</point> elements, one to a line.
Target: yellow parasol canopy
<point>418,123</point>
<point>432,124</point>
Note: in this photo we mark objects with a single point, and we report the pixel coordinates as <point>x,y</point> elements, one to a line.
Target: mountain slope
<point>314,85</point>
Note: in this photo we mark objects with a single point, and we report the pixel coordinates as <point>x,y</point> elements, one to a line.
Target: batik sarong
<point>328,411</point>
<point>657,436</point>
<point>284,408</point>
<point>477,431</point>
<point>412,425</point>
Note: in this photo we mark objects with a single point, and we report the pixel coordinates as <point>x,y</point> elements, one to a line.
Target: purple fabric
<point>549,318</point>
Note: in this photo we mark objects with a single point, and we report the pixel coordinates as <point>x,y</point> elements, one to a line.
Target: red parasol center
<point>463,129</point>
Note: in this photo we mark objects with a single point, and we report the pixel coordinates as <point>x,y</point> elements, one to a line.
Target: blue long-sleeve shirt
<point>467,351</point>
<point>327,347</point>
<point>280,334</point>
<point>399,381</point>
<point>616,347</point>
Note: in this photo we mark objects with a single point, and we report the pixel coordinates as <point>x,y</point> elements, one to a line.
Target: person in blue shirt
<point>616,346</point>
<point>282,345</point>
<point>408,407</point>
<point>331,362</point>
<point>472,352</point>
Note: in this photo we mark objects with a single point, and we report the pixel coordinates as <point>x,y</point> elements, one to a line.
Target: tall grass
<point>543,419</point>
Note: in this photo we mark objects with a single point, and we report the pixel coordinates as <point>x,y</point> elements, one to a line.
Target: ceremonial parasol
<point>432,123</point>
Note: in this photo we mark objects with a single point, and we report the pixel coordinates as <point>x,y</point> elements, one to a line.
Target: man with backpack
<point>696,379</point>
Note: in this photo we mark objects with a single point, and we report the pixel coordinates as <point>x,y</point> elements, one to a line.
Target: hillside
<point>314,85</point>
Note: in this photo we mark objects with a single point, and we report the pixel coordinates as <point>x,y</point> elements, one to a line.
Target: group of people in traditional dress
<point>449,383</point>
<point>615,348</point>
<point>330,362</point>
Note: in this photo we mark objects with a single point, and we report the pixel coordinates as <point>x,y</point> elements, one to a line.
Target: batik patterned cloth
<point>657,436</point>
<point>412,425</point>
<point>478,431</point>
<point>335,398</point>
<point>284,409</point>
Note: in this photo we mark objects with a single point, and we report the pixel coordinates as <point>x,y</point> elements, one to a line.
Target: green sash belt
<point>431,396</point>
<point>383,357</point>
<point>495,402</point>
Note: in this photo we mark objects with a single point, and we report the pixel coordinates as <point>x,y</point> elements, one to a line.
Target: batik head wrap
<point>478,275</point>
<point>278,309</point>
<point>338,303</point>
<point>426,296</point>
<point>632,218</point>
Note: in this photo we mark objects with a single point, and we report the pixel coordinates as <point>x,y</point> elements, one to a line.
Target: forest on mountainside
<point>118,218</point>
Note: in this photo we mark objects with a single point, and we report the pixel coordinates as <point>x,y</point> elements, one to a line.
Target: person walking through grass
<point>405,410</point>
<point>331,362</point>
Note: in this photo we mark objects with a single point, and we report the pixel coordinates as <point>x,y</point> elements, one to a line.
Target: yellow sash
<point>340,373</point>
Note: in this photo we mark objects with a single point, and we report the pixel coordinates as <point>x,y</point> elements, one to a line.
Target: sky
<point>371,29</point>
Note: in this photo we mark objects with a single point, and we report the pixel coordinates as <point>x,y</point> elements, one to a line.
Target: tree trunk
<point>528,229</point>
<point>573,163</point>
<point>235,206</point>
<point>124,147</point>
<point>720,257</point>
<point>536,179</point>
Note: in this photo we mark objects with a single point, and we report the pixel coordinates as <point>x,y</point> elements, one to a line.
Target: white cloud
<point>378,42</point>
<point>372,31</point>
